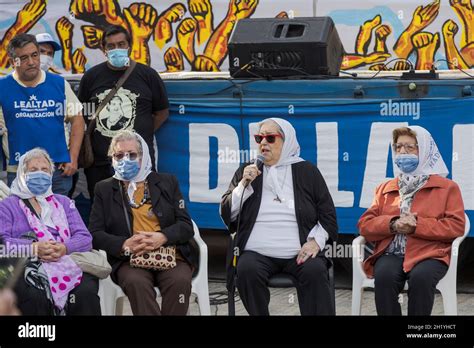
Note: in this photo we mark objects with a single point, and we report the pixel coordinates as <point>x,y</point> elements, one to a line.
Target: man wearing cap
<point>47,49</point>
<point>33,113</point>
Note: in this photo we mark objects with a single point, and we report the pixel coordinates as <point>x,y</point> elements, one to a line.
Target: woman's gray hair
<point>125,135</point>
<point>37,152</point>
<point>280,131</point>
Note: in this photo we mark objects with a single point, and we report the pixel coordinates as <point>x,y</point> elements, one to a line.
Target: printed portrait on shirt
<point>119,113</point>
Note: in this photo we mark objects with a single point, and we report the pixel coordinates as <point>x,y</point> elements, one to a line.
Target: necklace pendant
<point>277,199</point>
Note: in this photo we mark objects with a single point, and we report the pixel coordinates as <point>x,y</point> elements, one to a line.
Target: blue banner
<point>343,126</point>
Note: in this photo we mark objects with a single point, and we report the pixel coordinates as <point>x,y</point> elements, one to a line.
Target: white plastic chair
<point>112,296</point>
<point>4,190</point>
<point>447,285</point>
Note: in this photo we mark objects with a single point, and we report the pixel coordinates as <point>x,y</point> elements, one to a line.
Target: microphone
<point>259,163</point>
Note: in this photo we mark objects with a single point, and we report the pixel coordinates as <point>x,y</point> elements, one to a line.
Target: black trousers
<point>75,179</point>
<point>313,289</point>
<point>390,280</point>
<point>82,300</point>
<point>95,174</point>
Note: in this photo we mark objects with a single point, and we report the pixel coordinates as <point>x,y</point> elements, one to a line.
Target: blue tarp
<point>344,126</point>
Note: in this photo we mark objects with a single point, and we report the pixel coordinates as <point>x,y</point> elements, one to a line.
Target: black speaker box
<point>282,47</point>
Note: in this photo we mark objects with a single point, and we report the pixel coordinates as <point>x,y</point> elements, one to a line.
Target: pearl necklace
<point>146,196</point>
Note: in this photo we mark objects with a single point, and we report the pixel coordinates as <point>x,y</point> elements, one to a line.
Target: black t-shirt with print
<point>131,108</point>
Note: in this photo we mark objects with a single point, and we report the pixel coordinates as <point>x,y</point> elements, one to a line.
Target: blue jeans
<point>61,184</point>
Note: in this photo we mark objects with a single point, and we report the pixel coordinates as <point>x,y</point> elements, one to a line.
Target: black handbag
<point>85,158</point>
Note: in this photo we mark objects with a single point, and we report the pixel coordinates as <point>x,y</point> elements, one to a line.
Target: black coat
<point>313,204</point>
<point>108,224</point>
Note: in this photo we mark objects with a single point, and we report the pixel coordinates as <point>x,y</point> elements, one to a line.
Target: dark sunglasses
<point>132,156</point>
<point>270,138</point>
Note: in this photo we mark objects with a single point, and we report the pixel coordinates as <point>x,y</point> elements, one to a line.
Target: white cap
<point>47,38</point>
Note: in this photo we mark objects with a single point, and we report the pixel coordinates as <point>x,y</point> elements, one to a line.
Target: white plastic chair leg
<point>108,302</point>
<point>356,297</point>
<point>450,301</point>
<point>119,305</point>
<point>203,300</point>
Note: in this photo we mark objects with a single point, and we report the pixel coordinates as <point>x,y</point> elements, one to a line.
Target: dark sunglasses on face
<point>270,137</point>
<point>120,155</point>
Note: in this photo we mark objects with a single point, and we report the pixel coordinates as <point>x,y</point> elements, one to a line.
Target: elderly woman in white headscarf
<point>413,220</point>
<point>136,212</point>
<point>32,217</point>
<point>287,217</point>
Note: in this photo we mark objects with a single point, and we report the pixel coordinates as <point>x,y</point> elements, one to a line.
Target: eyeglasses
<point>270,137</point>
<point>397,147</point>
<point>132,156</point>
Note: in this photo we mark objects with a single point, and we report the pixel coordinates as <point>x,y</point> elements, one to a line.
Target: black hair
<point>114,30</point>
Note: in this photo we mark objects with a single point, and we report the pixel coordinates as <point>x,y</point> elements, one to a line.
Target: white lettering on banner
<point>463,162</point>
<point>376,163</point>
<point>199,134</point>
<point>375,172</point>
<point>328,162</point>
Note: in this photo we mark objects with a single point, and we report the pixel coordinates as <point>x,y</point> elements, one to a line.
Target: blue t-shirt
<point>34,117</point>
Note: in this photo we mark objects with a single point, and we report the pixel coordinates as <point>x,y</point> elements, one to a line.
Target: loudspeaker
<point>277,47</point>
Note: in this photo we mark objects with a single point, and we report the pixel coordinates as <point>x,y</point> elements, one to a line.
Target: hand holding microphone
<point>251,171</point>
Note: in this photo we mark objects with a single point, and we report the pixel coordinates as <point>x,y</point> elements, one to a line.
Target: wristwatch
<point>392,225</point>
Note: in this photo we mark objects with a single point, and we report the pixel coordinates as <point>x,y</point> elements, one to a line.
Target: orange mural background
<point>193,34</point>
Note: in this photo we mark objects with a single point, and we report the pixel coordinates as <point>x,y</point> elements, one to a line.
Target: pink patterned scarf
<point>63,275</point>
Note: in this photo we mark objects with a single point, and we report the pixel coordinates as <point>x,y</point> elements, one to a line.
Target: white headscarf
<point>20,189</point>
<point>430,159</point>
<point>290,153</point>
<point>145,170</point>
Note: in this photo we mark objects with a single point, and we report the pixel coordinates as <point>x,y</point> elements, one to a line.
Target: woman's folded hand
<point>133,245</point>
<point>50,251</point>
<point>406,224</point>
<point>309,249</point>
<point>151,241</point>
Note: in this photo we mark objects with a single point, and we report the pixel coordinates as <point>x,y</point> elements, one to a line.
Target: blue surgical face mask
<point>407,162</point>
<point>127,168</point>
<point>38,182</point>
<point>118,57</point>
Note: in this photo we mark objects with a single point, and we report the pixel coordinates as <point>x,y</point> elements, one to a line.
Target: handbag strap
<point>114,90</point>
<point>30,206</point>
<point>129,226</point>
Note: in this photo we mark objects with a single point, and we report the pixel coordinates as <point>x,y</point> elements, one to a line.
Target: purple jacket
<point>13,224</point>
